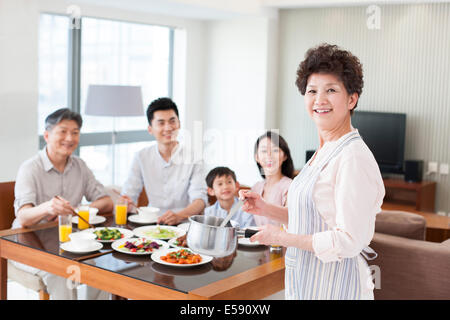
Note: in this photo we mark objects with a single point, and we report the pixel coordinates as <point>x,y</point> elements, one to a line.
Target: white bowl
<point>82,244</point>
<point>146,213</point>
<point>83,235</point>
<point>92,213</point>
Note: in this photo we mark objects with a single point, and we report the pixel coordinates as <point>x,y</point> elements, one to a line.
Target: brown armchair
<point>409,267</point>
<point>7,217</point>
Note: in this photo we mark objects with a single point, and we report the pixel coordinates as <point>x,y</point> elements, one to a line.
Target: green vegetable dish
<point>160,233</point>
<point>108,234</point>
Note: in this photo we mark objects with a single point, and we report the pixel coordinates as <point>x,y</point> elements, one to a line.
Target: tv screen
<point>384,134</point>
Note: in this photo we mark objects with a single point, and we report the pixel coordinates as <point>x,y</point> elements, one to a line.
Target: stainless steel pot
<point>206,237</point>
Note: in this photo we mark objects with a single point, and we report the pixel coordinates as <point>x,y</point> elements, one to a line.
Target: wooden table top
<point>245,278</point>
<point>433,220</point>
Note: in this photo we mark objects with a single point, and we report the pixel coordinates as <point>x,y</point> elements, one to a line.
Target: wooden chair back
<point>142,200</point>
<point>7,214</point>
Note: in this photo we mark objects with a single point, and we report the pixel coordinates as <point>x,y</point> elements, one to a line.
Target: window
<point>123,53</point>
<point>112,52</point>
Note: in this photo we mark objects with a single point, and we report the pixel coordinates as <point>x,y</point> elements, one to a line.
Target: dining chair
<point>7,216</point>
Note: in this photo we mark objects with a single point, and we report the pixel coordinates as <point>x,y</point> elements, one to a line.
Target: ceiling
<point>227,9</point>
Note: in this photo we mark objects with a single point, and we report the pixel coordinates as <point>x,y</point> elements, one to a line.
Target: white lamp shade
<point>114,101</point>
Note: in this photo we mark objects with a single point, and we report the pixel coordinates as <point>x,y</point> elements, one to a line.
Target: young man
<point>173,183</point>
<point>222,184</point>
<point>54,171</point>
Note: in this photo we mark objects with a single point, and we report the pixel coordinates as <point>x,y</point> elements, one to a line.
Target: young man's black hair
<point>160,104</point>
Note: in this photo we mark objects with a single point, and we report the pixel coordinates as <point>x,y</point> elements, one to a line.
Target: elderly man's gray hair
<point>62,114</point>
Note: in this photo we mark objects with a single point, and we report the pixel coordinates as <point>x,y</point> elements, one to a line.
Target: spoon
<point>233,210</point>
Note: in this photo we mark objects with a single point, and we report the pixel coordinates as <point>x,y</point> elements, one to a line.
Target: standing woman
<point>274,161</point>
<point>333,202</point>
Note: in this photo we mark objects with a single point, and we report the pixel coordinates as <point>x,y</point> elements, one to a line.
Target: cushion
<point>401,224</point>
<point>446,243</point>
<point>410,269</point>
<point>27,279</point>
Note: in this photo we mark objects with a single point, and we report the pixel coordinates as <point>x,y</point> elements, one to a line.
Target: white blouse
<point>348,195</point>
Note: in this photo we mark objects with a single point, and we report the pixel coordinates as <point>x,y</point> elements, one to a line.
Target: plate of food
<point>180,258</point>
<point>159,232</point>
<point>111,234</point>
<point>179,242</point>
<point>139,246</point>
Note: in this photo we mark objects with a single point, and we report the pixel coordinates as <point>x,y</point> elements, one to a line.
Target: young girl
<point>273,158</point>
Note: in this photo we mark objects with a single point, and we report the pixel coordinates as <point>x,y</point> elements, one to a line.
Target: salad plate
<point>139,246</point>
<point>159,258</point>
<point>110,234</point>
<point>159,232</point>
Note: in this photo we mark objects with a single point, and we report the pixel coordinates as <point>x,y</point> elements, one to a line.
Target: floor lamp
<point>114,101</point>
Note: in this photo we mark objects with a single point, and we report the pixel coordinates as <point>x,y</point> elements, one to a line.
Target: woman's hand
<point>269,235</point>
<point>253,202</point>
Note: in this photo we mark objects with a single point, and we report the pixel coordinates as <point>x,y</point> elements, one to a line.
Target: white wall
<point>236,91</point>
<point>406,69</point>
<point>225,78</point>
<point>18,84</point>
<point>19,23</point>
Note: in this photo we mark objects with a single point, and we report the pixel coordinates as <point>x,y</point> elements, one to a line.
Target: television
<point>384,134</point>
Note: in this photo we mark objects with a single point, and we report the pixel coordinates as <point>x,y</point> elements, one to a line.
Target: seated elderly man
<point>54,171</point>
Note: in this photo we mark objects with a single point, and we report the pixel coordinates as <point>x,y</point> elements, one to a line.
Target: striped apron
<point>306,277</point>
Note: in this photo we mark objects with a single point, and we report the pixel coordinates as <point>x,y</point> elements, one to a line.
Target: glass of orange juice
<point>121,211</point>
<point>83,211</point>
<point>65,227</point>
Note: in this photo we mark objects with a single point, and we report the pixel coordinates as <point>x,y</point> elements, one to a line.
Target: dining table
<point>251,272</point>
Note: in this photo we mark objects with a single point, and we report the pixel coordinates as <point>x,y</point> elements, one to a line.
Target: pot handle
<point>249,232</point>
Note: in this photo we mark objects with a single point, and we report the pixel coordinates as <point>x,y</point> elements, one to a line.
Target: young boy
<point>222,184</point>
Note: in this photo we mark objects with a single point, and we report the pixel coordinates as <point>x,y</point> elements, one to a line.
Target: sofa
<point>407,266</point>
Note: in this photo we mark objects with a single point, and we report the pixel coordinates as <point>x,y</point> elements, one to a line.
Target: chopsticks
<point>76,213</point>
<point>94,255</point>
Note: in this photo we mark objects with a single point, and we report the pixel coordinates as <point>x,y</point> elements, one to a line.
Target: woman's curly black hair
<point>327,58</point>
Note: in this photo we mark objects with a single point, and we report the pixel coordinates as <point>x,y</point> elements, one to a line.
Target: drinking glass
<point>65,227</point>
<point>83,211</point>
<point>121,211</point>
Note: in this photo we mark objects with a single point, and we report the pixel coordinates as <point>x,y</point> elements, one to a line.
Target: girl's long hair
<point>287,168</point>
